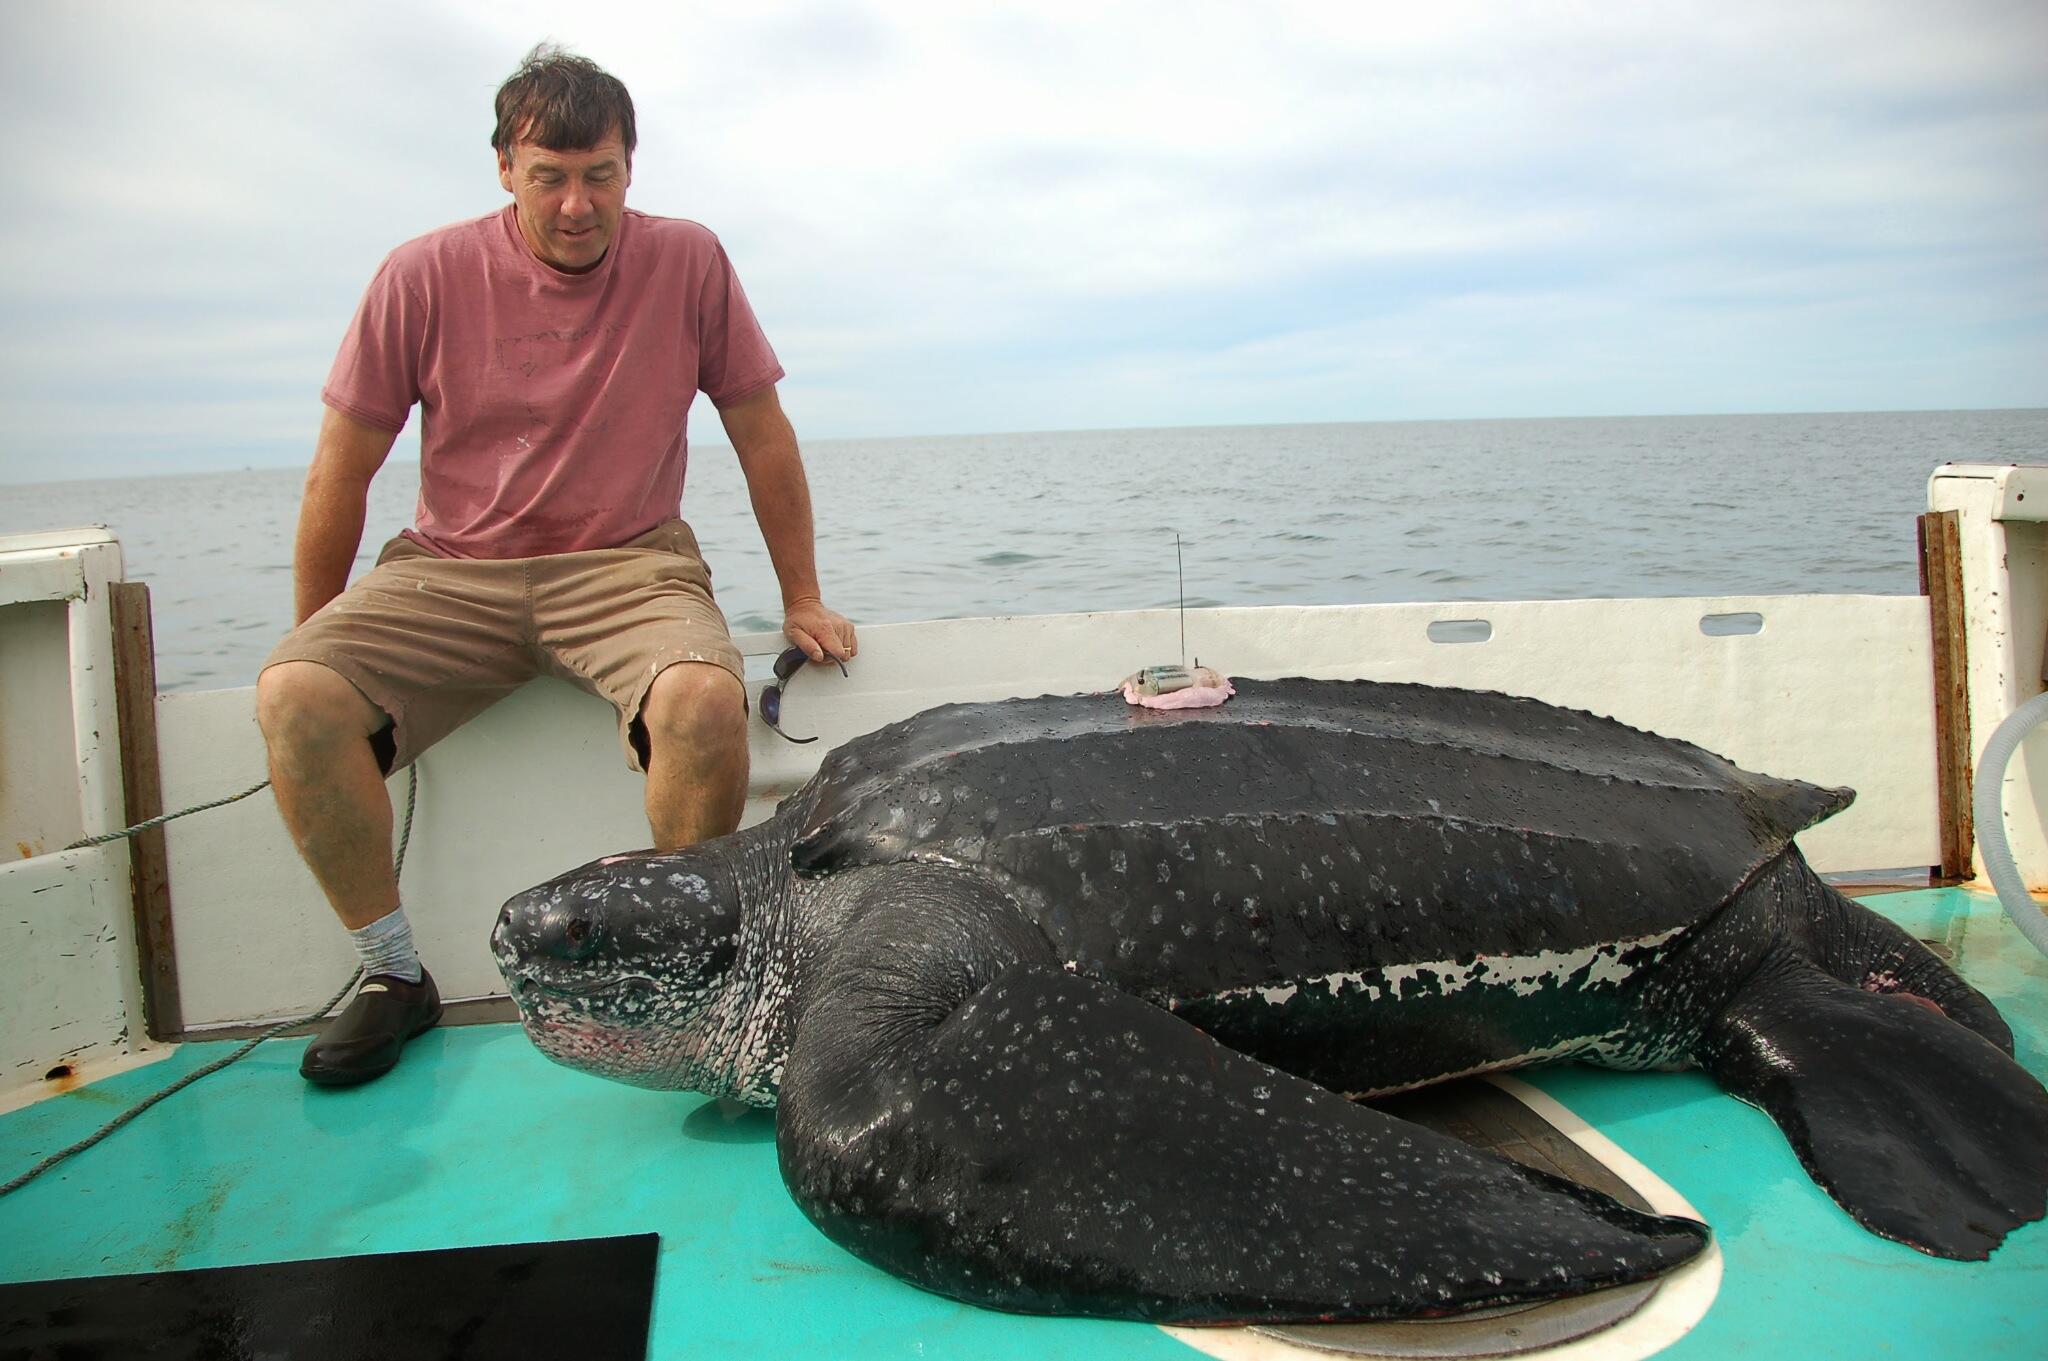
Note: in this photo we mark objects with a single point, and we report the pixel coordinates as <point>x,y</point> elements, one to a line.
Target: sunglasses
<point>787,665</point>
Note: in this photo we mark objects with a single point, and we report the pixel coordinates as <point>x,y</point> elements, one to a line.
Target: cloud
<point>959,218</point>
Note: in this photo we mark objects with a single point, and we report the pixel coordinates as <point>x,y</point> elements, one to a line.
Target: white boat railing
<point>1835,689</point>
<point>70,971</point>
<point>2004,541</point>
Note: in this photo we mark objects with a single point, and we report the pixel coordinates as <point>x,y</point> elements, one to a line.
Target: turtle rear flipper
<point>960,1111</point>
<point>1923,1130</point>
<point>1874,954</point>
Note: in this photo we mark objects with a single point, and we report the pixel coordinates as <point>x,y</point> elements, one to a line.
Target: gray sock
<point>386,946</point>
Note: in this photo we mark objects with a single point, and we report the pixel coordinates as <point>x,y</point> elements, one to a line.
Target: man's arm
<point>766,445</point>
<point>332,510</point>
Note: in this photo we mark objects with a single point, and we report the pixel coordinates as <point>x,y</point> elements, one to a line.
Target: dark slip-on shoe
<point>366,1039</point>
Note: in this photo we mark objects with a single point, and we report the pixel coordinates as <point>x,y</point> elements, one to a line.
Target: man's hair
<point>562,102</point>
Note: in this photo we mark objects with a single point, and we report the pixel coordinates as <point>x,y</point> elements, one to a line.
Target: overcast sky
<point>971,218</point>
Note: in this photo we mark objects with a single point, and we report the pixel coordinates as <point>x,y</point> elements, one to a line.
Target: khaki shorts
<point>434,641</point>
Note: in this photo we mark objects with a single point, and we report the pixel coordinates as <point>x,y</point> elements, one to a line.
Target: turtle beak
<point>537,930</point>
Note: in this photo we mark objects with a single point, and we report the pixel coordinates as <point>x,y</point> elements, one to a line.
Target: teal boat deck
<point>477,1139</point>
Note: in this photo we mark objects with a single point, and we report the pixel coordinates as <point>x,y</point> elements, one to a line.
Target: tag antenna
<point>1180,577</point>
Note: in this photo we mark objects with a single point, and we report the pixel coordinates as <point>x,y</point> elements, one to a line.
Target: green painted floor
<point>476,1139</point>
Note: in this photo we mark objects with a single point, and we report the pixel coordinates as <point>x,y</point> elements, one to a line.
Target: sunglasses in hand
<point>787,665</point>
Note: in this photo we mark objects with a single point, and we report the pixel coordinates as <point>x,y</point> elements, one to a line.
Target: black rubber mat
<point>587,1298</point>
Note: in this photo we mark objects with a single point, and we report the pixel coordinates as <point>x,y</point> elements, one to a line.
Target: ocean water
<point>1296,514</point>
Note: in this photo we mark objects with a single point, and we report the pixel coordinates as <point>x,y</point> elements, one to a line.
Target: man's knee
<point>694,705</point>
<point>300,703</point>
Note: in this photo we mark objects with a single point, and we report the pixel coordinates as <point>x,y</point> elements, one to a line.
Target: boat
<point>130,961</point>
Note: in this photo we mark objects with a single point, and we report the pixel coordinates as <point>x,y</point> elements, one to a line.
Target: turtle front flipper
<point>959,1110</point>
<point>1922,1129</point>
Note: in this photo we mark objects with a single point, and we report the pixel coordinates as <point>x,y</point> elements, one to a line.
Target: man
<point>554,349</point>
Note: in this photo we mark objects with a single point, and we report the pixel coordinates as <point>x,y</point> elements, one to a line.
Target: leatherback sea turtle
<point>1061,1000</point>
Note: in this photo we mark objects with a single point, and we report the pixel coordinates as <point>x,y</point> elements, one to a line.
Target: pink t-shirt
<point>552,405</point>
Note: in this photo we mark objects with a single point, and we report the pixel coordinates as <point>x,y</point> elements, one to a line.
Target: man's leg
<point>695,722</point>
<point>324,773</point>
<point>637,625</point>
<point>426,643</point>
<point>330,789</point>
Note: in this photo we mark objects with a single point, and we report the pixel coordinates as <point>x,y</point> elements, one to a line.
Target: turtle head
<point>618,967</point>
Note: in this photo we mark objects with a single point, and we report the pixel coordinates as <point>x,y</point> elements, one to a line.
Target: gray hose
<point>1987,805</point>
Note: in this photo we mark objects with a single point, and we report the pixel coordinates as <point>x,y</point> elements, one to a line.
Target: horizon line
<point>218,469</point>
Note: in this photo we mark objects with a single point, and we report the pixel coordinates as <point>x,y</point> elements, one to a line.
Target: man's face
<point>568,201</point>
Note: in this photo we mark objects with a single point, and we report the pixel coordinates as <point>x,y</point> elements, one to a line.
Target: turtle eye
<point>578,938</point>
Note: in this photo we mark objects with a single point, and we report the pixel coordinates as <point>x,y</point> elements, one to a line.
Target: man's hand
<point>818,631</point>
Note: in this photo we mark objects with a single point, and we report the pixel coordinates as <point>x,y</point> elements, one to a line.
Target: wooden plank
<point>1941,581</point>
<point>141,778</point>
